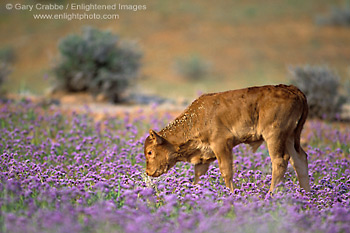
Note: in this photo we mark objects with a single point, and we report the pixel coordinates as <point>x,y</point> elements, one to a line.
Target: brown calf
<point>214,123</point>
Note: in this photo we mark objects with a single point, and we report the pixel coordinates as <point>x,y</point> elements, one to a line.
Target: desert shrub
<point>338,16</point>
<point>97,62</point>
<point>321,87</point>
<point>4,72</point>
<point>192,67</point>
<point>7,57</point>
<point>347,91</point>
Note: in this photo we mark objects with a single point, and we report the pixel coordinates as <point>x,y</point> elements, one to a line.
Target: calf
<point>214,123</point>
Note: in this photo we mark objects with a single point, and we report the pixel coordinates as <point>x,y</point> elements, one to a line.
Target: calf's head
<point>160,154</point>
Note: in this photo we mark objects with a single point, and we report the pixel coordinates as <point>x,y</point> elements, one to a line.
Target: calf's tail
<point>301,122</point>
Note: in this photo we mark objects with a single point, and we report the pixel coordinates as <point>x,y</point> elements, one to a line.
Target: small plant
<point>346,88</point>
<point>7,57</point>
<point>192,67</point>
<point>338,16</point>
<point>97,62</point>
<point>4,72</point>
<point>321,87</point>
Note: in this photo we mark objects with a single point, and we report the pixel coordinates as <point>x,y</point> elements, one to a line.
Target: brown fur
<point>214,123</point>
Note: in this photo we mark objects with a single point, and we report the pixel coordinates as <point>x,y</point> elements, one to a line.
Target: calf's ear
<point>155,137</point>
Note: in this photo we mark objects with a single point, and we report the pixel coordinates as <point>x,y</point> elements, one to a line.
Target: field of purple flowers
<point>68,172</point>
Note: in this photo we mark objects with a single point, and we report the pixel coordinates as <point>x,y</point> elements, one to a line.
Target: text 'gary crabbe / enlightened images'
<point>75,11</point>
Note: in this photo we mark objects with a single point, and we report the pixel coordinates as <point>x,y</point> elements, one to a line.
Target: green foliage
<point>97,62</point>
<point>321,87</point>
<point>347,91</point>
<point>4,72</point>
<point>338,16</point>
<point>7,57</point>
<point>192,67</point>
<point>7,54</point>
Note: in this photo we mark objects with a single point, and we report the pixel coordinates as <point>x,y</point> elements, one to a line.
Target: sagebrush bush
<point>347,91</point>
<point>7,57</point>
<point>4,72</point>
<point>192,67</point>
<point>97,62</point>
<point>338,16</point>
<point>321,87</point>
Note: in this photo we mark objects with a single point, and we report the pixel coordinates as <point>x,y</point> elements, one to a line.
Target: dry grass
<point>247,43</point>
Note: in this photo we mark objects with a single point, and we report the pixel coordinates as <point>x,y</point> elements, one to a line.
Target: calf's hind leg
<point>279,160</point>
<point>300,165</point>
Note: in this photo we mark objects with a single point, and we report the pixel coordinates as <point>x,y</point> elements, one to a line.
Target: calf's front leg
<point>225,161</point>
